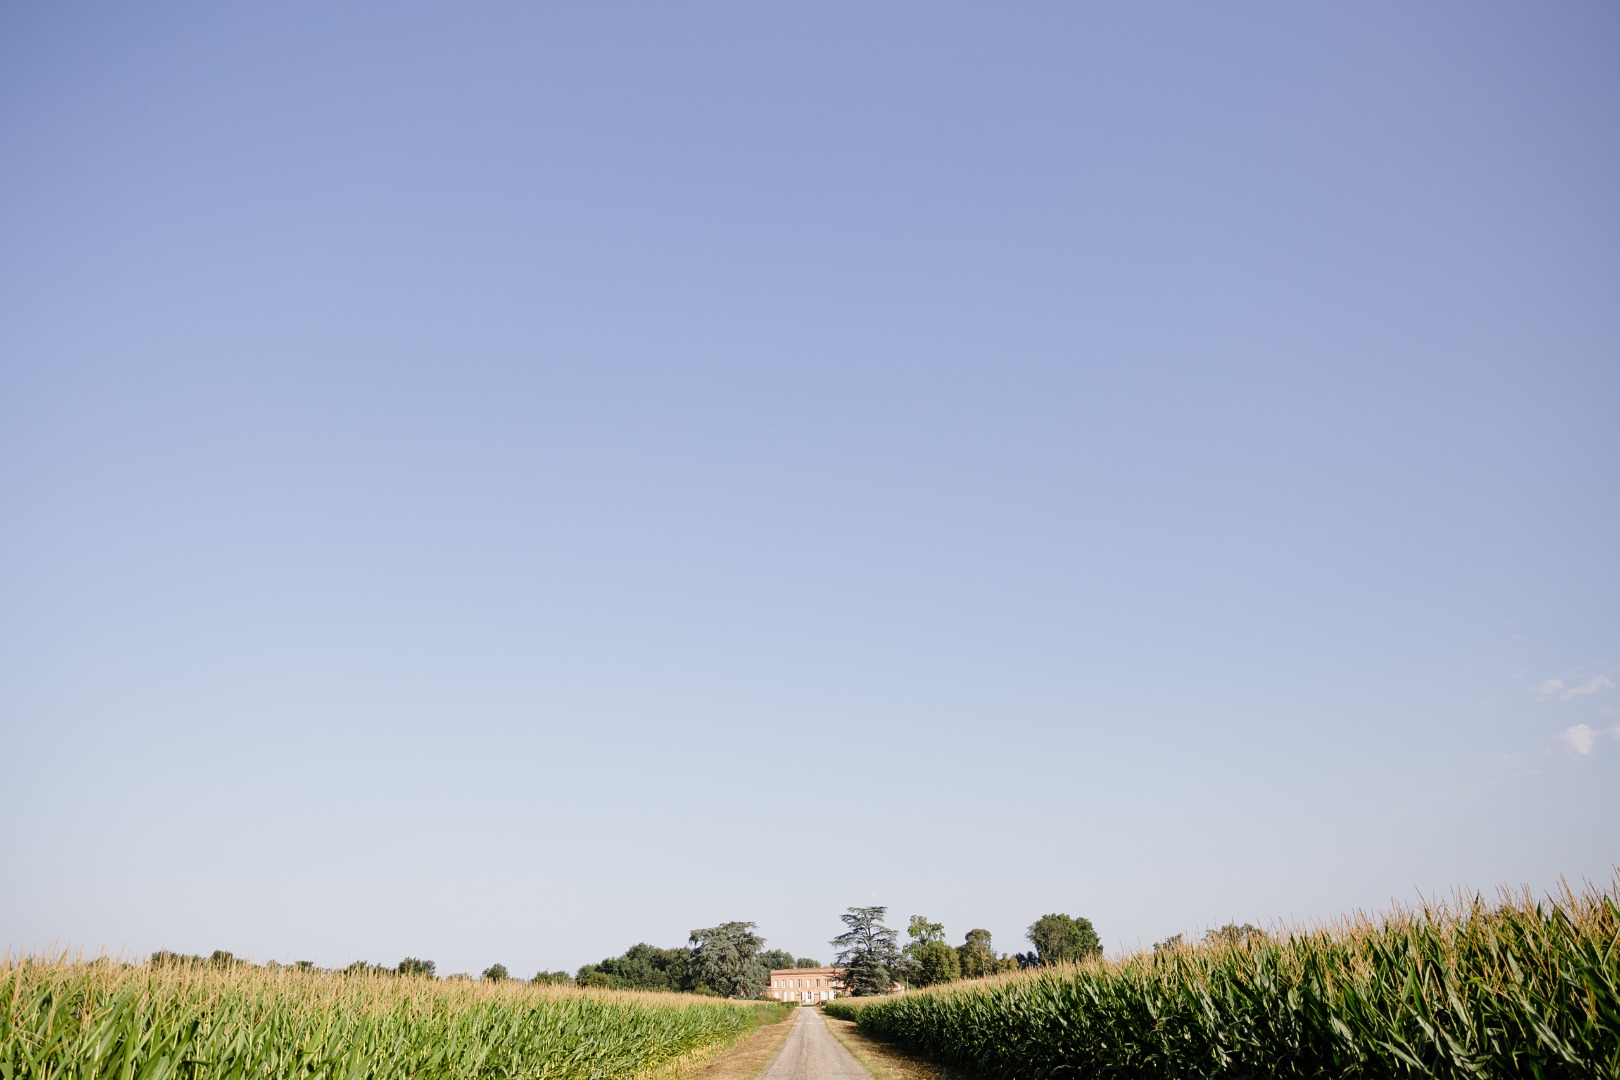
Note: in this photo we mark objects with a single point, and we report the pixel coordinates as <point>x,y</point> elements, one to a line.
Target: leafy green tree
<point>1169,944</point>
<point>921,931</point>
<point>589,977</point>
<point>412,966</point>
<point>805,961</point>
<point>647,967</point>
<point>725,959</point>
<point>495,972</point>
<point>867,953</point>
<point>934,963</point>
<point>1060,939</point>
<point>551,978</point>
<point>775,959</point>
<point>975,956</point>
<point>165,958</point>
<point>922,963</point>
<point>1233,934</point>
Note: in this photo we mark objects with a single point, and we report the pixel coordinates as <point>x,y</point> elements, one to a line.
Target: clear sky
<point>503,482</point>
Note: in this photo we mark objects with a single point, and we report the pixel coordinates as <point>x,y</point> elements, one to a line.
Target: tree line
<point>874,962</point>
<point>730,960</point>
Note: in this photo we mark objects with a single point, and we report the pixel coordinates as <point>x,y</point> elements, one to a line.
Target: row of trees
<point>873,961</point>
<point>411,965</point>
<point>1230,934</point>
<point>220,958</point>
<point>730,960</point>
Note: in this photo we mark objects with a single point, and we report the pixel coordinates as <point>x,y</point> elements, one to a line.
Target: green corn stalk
<point>61,1020</point>
<point>1467,991</point>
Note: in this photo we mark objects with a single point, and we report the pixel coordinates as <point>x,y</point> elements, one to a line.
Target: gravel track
<point>811,1053</point>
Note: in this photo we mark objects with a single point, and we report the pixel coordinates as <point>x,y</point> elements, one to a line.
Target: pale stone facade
<point>805,985</point>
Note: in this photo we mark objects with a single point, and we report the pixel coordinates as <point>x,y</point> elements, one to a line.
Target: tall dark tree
<point>725,959</point>
<point>867,953</point>
<point>412,966</point>
<point>1062,939</point>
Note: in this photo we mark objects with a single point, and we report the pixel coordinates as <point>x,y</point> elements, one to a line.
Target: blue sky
<point>501,485</point>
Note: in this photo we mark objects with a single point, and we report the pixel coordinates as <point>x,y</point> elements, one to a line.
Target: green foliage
<point>867,953</point>
<point>806,962</point>
<point>495,972</point>
<point>1233,934</point>
<point>725,959</point>
<point>975,956</point>
<point>412,966</point>
<point>921,931</point>
<point>1174,941</point>
<point>65,1021</point>
<point>647,967</point>
<point>1064,939</point>
<point>551,978</point>
<point>1517,990</point>
<point>934,963</point>
<point>776,959</point>
<point>928,961</point>
<point>165,958</point>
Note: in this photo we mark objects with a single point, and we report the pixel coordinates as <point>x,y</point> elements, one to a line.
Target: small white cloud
<point>1579,740</point>
<point>1550,688</point>
<point>1590,686</point>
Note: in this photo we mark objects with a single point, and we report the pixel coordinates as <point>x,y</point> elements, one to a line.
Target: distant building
<point>805,985</point>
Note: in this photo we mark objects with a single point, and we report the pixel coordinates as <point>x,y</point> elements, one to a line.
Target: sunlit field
<point>1472,989</point>
<point>62,1018</point>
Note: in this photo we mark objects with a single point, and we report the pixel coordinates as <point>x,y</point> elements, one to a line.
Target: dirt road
<point>811,1053</point>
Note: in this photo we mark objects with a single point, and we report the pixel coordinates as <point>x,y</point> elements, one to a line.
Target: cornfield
<point>86,1021</point>
<point>1514,989</point>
